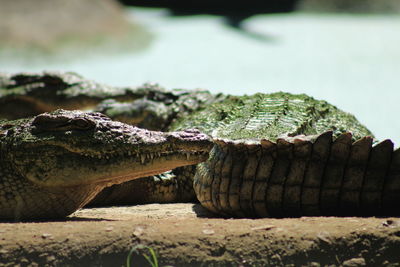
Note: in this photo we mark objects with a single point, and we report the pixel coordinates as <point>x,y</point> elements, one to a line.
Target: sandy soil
<point>186,235</point>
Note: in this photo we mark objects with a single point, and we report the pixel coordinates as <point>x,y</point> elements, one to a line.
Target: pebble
<point>47,235</point>
<point>208,231</point>
<point>355,262</point>
<point>138,231</point>
<point>324,236</point>
<point>263,227</point>
<point>391,223</point>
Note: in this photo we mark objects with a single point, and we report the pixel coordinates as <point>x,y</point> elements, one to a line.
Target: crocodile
<point>285,155</point>
<point>148,106</point>
<point>55,163</point>
<point>310,158</point>
<point>282,155</point>
<point>29,94</point>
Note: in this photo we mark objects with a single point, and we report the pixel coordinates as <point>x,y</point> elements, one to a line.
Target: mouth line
<point>147,164</point>
<point>146,157</point>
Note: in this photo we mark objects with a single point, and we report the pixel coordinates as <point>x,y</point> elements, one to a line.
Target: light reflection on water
<point>351,61</point>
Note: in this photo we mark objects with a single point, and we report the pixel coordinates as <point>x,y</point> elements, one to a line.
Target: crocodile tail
<point>301,176</point>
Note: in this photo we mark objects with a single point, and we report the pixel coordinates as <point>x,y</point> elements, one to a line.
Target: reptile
<point>285,155</point>
<point>274,155</point>
<point>148,106</point>
<point>55,163</point>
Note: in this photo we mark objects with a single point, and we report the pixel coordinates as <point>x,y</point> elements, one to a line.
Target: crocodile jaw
<point>72,148</point>
<point>145,165</point>
<point>64,168</point>
<point>57,162</point>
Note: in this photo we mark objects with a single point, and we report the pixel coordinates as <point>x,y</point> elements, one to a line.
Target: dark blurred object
<point>219,7</point>
<point>234,11</point>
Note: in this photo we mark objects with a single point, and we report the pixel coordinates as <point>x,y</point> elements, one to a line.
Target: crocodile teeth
<point>187,155</point>
<point>142,158</point>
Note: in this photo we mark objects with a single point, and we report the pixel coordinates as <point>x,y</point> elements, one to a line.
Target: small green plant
<point>138,249</point>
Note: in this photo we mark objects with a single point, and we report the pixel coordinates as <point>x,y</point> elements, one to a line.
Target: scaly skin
<point>356,177</point>
<point>158,108</point>
<point>301,176</point>
<point>29,94</point>
<point>54,163</point>
<point>156,111</point>
<point>270,116</point>
<point>258,116</point>
<point>275,156</point>
<point>148,106</point>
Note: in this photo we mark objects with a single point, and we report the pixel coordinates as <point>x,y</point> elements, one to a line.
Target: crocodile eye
<point>48,123</point>
<point>83,124</point>
<point>45,122</point>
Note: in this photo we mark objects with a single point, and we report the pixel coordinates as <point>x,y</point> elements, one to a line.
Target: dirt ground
<point>186,235</point>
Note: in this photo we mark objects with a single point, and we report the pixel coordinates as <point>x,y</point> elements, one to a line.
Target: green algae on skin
<point>270,116</point>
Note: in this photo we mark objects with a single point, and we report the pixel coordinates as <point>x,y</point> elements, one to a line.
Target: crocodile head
<point>28,94</point>
<point>53,164</point>
<point>70,148</point>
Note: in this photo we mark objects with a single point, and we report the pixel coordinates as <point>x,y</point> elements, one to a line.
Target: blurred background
<point>345,52</point>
